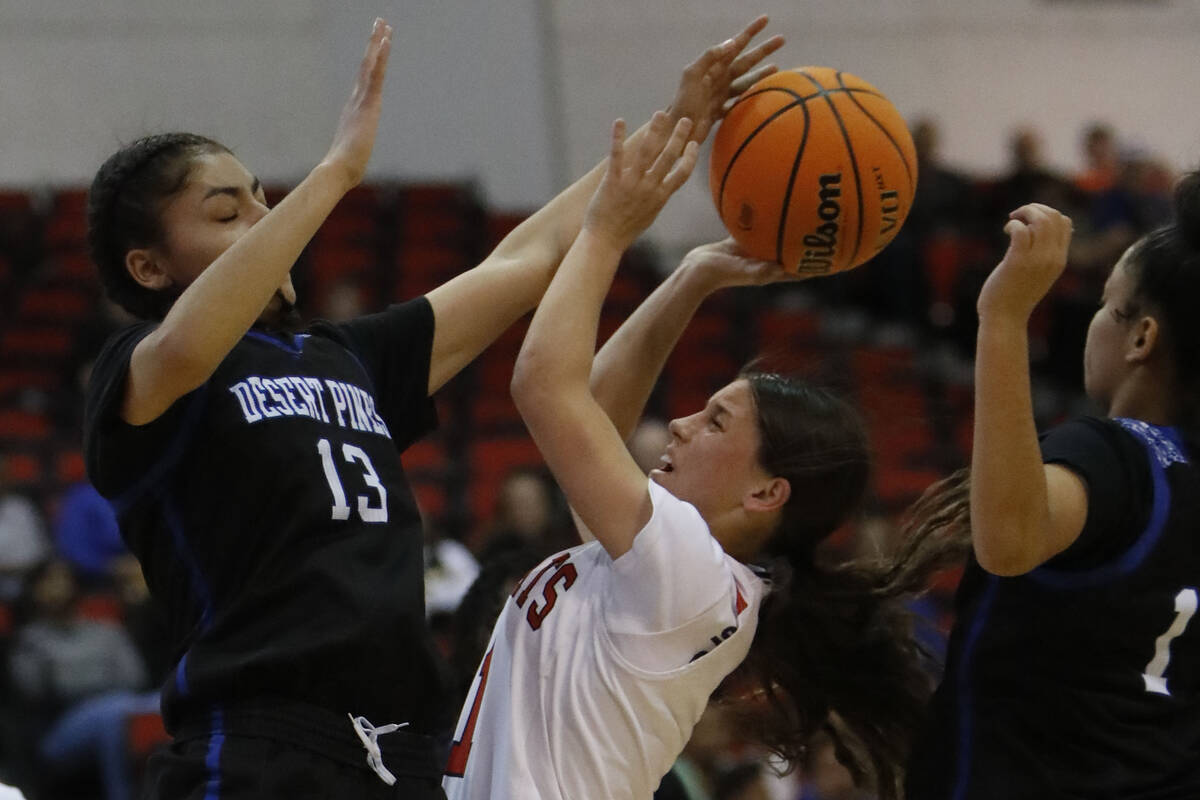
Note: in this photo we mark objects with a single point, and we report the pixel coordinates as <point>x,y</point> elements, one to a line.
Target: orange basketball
<point>813,168</point>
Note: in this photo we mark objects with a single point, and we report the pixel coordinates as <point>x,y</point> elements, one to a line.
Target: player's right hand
<point>355,136</point>
<point>721,265</point>
<point>1039,237</point>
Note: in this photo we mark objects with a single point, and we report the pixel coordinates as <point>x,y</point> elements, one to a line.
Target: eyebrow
<point>231,191</point>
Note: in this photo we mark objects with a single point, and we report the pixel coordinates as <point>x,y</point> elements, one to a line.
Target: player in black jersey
<point>255,468</point>
<point>1074,665</point>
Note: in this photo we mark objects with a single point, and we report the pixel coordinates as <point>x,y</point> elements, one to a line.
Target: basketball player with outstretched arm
<point>255,468</point>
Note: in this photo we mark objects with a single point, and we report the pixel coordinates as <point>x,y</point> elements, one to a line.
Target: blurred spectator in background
<point>343,302</point>
<point>23,541</point>
<point>78,680</point>
<point>471,626</point>
<point>143,618</point>
<point>1101,165</point>
<point>905,289</point>
<point>530,513</point>
<point>1028,180</point>
<point>86,534</point>
<point>649,443</point>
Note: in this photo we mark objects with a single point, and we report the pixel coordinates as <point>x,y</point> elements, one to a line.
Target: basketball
<point>813,168</point>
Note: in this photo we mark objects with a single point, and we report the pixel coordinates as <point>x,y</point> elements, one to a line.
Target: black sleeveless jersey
<point>273,520</point>
<point>1081,679</point>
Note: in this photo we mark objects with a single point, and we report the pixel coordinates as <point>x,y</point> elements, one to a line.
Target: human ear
<point>1143,338</point>
<point>147,269</point>
<point>769,496</point>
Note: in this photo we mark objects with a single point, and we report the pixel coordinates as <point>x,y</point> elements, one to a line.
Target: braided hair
<point>124,211</point>
<point>1165,267</point>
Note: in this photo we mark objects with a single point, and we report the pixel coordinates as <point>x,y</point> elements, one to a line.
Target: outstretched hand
<point>723,265</point>
<point>636,185</point>
<point>355,135</point>
<point>1039,237</point>
<point>712,82</point>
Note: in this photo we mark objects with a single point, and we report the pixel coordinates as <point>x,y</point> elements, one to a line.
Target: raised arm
<point>221,304</point>
<point>474,308</point>
<point>627,367</point>
<point>551,379</point>
<point>1023,512</point>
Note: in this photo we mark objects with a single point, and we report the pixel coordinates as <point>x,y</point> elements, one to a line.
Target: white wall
<point>470,92</point>
<point>980,66</point>
<point>268,77</point>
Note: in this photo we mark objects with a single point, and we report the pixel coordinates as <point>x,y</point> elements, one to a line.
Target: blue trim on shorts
<point>966,693</point>
<point>212,760</point>
<point>1160,508</point>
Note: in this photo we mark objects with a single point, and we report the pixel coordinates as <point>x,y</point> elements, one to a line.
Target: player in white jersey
<point>606,654</point>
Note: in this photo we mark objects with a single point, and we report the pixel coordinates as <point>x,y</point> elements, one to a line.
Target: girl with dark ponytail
<point>707,578</point>
<point>1074,666</point>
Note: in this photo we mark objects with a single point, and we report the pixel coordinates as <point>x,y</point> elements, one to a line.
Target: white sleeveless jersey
<point>598,670</point>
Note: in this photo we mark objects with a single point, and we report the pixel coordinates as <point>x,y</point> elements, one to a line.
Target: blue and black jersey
<point>275,525</point>
<point>1081,679</point>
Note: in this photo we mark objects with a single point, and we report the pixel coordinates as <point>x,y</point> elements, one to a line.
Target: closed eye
<point>230,218</point>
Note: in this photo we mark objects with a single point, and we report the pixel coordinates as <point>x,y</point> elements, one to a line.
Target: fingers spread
<point>744,82</point>
<point>672,151</point>
<point>653,142</point>
<point>616,150</point>
<point>683,167</point>
<point>749,32</point>
<point>748,59</point>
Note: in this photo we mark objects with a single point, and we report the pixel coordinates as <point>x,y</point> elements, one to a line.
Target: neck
<point>740,534</point>
<point>1147,397</point>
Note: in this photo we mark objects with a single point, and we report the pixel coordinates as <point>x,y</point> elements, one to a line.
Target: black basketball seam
<point>907,170</point>
<point>745,142</point>
<point>787,197</point>
<point>843,90</point>
<point>853,159</point>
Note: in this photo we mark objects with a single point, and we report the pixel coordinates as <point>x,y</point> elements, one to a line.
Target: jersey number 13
<point>369,511</point>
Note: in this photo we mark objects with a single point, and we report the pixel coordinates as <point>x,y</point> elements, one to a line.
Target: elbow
<point>1003,559</point>
<point>528,391</point>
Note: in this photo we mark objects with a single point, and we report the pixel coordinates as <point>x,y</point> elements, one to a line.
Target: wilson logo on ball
<point>813,168</point>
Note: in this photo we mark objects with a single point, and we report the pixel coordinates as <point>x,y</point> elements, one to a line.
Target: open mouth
<point>665,465</point>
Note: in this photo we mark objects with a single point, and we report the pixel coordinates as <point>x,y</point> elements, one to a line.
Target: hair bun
<point>1187,209</point>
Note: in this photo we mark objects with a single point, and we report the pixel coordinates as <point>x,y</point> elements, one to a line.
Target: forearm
<point>626,368</point>
<point>556,356</point>
<point>217,309</point>
<point>474,308</point>
<point>1009,504</point>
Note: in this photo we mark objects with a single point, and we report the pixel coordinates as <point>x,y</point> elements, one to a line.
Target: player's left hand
<point>1039,237</point>
<point>722,264</point>
<point>636,185</point>
<point>713,81</point>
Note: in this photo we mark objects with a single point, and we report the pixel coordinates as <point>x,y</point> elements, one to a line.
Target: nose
<point>680,429</point>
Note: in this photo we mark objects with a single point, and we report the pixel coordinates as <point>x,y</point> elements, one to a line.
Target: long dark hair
<point>836,650</point>
<point>1165,267</point>
<point>125,206</point>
